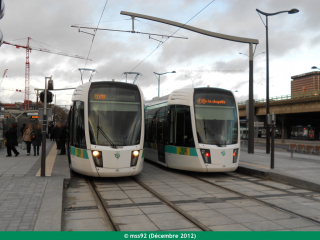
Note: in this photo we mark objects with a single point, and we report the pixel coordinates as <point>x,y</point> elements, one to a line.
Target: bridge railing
<point>306,94</point>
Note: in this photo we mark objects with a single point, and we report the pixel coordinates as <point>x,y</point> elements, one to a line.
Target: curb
<point>279,177</point>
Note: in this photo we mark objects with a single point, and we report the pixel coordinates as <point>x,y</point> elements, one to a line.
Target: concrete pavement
<point>29,202</point>
<point>303,170</point>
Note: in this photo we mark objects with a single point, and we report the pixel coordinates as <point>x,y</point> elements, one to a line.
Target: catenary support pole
<point>267,86</point>
<point>44,133</point>
<point>272,145</point>
<point>251,102</point>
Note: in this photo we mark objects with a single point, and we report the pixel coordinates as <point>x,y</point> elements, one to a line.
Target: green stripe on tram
<point>78,152</point>
<point>181,151</point>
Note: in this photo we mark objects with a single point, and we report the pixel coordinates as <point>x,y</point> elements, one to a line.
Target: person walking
<point>51,131</point>
<point>22,129</point>
<point>36,136</point>
<point>62,139</point>
<point>27,137</point>
<point>55,134</point>
<point>12,140</point>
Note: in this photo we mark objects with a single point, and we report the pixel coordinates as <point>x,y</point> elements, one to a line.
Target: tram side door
<point>161,135</point>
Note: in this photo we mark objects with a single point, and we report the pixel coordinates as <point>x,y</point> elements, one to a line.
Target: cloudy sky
<point>294,44</point>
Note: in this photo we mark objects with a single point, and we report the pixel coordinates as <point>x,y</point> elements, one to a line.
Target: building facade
<point>305,83</point>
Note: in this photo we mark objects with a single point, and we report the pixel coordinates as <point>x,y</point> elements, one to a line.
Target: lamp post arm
<point>270,14</point>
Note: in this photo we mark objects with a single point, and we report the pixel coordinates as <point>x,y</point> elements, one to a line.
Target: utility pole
<point>54,110</point>
<point>44,131</point>
<point>37,99</point>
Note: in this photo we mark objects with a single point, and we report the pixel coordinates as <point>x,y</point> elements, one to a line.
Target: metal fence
<point>300,95</point>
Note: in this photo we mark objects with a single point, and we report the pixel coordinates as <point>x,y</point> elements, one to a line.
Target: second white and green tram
<point>193,129</point>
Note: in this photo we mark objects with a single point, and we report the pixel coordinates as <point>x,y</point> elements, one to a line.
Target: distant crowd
<point>32,136</point>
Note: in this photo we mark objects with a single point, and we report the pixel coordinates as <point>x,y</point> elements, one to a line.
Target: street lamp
<point>292,11</point>
<point>192,80</point>
<point>159,74</point>
<point>314,67</point>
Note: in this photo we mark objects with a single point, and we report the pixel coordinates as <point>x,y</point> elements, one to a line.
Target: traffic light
<point>50,84</point>
<point>1,16</point>
<point>49,97</point>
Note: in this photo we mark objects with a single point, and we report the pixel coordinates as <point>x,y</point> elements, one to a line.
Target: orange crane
<point>27,72</point>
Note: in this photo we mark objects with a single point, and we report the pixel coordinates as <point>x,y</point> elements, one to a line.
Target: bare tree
<point>282,118</point>
<point>60,114</point>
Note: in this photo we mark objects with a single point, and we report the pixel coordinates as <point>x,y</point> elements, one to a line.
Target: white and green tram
<point>193,129</point>
<point>106,129</point>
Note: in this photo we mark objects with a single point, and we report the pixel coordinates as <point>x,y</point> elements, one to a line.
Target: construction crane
<point>27,67</point>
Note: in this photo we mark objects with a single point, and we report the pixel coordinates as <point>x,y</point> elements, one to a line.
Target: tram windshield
<point>114,114</point>
<point>216,116</point>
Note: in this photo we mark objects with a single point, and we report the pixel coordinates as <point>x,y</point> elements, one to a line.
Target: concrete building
<point>305,83</point>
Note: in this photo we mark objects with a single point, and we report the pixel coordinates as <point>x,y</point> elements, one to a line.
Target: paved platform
<point>302,170</point>
<point>28,202</point>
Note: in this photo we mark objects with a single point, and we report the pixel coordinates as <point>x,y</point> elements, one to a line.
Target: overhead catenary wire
<point>170,36</point>
<point>95,32</point>
<point>102,22</point>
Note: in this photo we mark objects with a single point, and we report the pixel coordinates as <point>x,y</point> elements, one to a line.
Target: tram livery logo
<point>117,155</point>
<point>205,101</point>
<point>223,153</point>
<point>100,96</point>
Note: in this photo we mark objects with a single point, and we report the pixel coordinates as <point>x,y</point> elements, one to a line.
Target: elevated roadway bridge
<point>298,115</point>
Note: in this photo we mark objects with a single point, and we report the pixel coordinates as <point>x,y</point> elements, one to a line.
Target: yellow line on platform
<point>254,165</point>
<point>50,160</point>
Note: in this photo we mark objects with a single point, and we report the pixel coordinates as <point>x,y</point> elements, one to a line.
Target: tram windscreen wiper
<point>210,133</point>
<point>104,135</point>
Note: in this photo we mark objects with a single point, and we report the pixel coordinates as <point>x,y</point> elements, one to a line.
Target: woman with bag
<point>27,137</point>
<point>36,136</point>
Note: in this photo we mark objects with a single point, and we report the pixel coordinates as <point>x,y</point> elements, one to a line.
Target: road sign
<point>259,124</point>
<point>49,113</point>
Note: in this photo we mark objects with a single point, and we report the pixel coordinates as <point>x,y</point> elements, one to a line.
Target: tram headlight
<point>134,158</point>
<point>97,158</point>
<point>206,155</point>
<point>235,155</point>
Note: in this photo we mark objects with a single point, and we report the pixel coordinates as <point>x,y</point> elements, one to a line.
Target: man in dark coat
<point>62,138</point>
<point>12,140</point>
<point>55,133</point>
<point>23,128</point>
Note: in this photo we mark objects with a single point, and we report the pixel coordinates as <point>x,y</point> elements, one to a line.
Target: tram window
<point>171,123</point>
<point>160,126</point>
<point>166,126</point>
<point>78,136</point>
<point>150,116</point>
<point>184,135</point>
<point>153,128</point>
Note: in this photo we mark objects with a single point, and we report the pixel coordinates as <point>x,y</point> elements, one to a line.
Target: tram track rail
<point>257,200</point>
<point>103,206</point>
<point>113,224</point>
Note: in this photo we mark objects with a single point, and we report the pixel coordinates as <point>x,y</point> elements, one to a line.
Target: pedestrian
<point>62,139</point>
<point>27,137</point>
<point>56,133</point>
<point>36,136</point>
<point>51,128</point>
<point>22,129</point>
<point>12,140</point>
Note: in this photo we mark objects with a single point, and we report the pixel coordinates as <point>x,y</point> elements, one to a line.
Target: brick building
<point>305,83</point>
